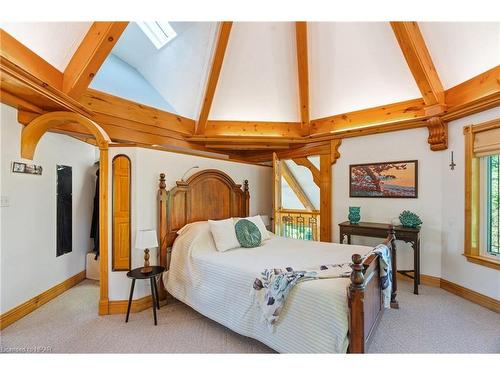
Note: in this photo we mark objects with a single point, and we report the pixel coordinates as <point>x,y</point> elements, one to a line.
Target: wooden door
<point>121,213</point>
<point>276,194</point>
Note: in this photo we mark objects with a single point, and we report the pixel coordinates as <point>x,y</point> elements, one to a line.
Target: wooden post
<point>394,292</point>
<point>325,198</point>
<point>103,232</point>
<point>356,306</point>
<point>162,233</point>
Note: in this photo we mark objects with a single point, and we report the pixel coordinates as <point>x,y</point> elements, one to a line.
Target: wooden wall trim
<point>138,305</point>
<point>461,291</point>
<point>213,77</point>
<point>90,55</point>
<point>13,315</point>
<point>469,294</point>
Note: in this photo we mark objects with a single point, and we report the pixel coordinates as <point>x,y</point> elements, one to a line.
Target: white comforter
<point>218,285</point>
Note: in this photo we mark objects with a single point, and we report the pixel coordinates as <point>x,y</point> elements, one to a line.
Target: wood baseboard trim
<point>13,315</point>
<point>468,294</point>
<point>138,305</point>
<point>424,279</point>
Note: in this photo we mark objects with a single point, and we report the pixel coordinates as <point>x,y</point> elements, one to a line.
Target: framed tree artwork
<point>395,179</point>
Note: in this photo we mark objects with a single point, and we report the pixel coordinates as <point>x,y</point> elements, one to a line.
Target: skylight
<point>159,33</point>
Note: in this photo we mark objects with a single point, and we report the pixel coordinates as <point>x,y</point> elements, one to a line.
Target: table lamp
<point>144,240</point>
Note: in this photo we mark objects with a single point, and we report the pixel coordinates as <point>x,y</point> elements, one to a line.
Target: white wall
<point>455,267</point>
<point>440,202</point>
<point>404,145</point>
<point>29,265</point>
<point>147,164</point>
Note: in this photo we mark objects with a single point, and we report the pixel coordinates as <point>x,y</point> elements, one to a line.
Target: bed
<point>320,316</point>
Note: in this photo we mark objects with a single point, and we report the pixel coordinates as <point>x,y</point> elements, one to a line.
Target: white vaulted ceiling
<point>352,65</point>
<point>356,65</point>
<point>462,50</point>
<point>259,77</point>
<point>56,42</point>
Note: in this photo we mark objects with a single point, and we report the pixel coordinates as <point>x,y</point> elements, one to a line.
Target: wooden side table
<point>136,274</point>
<point>380,230</point>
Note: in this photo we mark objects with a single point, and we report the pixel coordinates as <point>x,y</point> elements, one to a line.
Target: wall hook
<point>452,164</point>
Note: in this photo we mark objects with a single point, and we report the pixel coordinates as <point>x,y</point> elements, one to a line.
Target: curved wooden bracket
<point>438,133</point>
<point>34,131</point>
<point>334,150</point>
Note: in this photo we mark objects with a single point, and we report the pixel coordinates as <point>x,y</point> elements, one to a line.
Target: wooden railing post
<point>356,306</point>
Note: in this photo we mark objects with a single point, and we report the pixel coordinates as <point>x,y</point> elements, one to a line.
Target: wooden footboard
<point>365,299</point>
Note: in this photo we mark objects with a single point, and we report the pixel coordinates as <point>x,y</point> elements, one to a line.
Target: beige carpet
<point>433,322</point>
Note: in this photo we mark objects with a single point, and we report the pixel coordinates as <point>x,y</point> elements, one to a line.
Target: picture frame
<point>18,167</point>
<point>393,179</point>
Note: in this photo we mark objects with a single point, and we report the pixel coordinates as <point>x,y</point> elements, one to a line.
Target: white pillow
<point>224,234</point>
<point>257,220</point>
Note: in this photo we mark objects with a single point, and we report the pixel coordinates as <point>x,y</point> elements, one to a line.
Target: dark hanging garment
<point>94,229</point>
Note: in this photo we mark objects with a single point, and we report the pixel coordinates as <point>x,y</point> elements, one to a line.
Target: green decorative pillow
<point>247,233</point>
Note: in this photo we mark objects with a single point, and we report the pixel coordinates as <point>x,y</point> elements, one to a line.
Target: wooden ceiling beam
<point>22,84</point>
<point>253,129</point>
<point>19,103</point>
<point>396,113</point>
<point>417,56</point>
<point>25,59</point>
<point>220,50</point>
<point>90,55</point>
<point>303,73</point>
<point>250,146</point>
<point>107,104</point>
<point>305,162</point>
<point>295,186</point>
<point>474,95</point>
<point>245,139</point>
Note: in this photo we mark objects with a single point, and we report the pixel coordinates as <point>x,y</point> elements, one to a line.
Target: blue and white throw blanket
<point>272,288</point>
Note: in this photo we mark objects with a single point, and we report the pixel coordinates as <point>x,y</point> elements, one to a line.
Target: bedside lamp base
<point>146,268</point>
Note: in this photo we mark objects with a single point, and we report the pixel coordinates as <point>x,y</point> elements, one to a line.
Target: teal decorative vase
<point>409,219</point>
<point>354,215</point>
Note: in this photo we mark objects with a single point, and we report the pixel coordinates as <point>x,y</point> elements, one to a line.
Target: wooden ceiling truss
<point>35,87</point>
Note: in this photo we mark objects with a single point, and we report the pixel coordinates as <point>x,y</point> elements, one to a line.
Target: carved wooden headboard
<point>207,195</point>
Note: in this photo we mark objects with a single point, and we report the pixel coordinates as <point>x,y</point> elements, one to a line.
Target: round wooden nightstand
<point>136,274</point>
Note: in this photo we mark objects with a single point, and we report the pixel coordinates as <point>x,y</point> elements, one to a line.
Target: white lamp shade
<point>265,220</point>
<point>146,239</point>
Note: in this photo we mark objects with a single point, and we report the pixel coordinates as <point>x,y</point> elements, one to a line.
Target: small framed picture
<point>18,167</point>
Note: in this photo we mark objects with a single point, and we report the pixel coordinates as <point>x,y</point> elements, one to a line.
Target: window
<point>482,194</point>
<point>159,33</point>
<point>493,205</point>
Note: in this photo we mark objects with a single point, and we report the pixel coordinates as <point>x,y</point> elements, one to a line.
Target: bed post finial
<point>245,185</point>
<point>162,185</point>
<point>357,277</point>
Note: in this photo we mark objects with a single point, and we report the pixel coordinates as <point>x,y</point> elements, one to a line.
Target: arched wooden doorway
<point>30,137</point>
